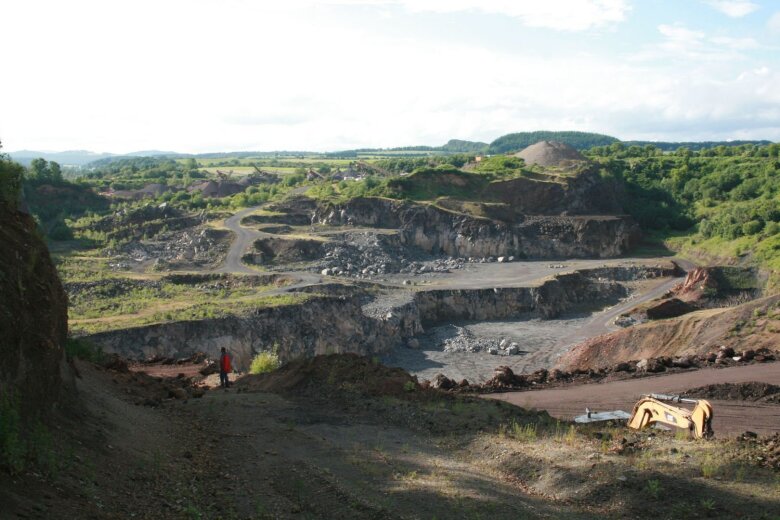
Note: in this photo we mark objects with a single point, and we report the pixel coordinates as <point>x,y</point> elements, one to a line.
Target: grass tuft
<point>264,362</point>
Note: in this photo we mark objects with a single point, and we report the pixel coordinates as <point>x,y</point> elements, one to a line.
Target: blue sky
<point>206,75</point>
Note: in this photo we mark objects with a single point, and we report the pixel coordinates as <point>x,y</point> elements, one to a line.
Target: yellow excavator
<point>655,408</point>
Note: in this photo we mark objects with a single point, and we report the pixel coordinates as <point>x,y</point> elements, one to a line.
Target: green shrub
<point>81,349</point>
<point>264,362</point>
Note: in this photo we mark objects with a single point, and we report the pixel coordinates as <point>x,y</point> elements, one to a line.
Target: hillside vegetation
<point>722,203</point>
<point>579,140</point>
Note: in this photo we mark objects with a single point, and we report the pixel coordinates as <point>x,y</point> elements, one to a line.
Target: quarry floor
<point>541,341</point>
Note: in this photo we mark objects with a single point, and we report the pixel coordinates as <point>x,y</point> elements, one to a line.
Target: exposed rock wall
<point>33,314</point>
<point>439,231</point>
<point>359,324</point>
<point>317,326</point>
<point>584,194</point>
<point>548,300</point>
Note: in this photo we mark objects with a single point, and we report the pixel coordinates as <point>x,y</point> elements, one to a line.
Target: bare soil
<point>336,437</point>
<point>730,417</point>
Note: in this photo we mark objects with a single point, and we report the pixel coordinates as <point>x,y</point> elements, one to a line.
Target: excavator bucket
<point>652,409</point>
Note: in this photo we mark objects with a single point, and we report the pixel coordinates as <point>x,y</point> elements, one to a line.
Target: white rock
<point>501,259</point>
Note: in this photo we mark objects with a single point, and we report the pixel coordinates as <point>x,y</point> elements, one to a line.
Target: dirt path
<point>731,417</point>
<point>243,239</point>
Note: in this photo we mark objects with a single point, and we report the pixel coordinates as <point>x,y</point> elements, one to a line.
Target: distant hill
<point>670,146</point>
<point>520,140</point>
<point>460,146</point>
<point>68,158</point>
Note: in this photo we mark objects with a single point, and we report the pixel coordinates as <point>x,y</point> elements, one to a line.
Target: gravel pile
<point>452,338</point>
<point>363,255</point>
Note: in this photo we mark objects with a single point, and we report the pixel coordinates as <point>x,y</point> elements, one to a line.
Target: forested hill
<point>579,140</point>
<point>670,146</point>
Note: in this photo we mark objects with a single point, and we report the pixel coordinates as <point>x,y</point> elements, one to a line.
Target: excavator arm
<point>652,409</point>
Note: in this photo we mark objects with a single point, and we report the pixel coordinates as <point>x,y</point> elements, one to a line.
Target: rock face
<point>318,326</point>
<point>33,314</point>
<point>361,324</point>
<point>586,193</point>
<point>549,153</point>
<point>439,231</point>
<point>548,300</point>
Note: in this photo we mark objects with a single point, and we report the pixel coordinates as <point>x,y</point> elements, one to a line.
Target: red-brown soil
<point>753,325</point>
<point>730,417</point>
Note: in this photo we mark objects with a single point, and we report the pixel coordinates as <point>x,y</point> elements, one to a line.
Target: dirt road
<point>731,417</point>
<point>243,239</point>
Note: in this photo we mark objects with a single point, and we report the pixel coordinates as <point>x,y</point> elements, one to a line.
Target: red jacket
<point>224,363</point>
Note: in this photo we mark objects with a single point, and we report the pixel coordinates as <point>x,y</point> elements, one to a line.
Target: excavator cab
<point>655,408</point>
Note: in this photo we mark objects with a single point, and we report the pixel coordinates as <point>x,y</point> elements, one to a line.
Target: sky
<point>227,75</point>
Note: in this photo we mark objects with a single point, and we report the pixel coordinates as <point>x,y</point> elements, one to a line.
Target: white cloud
<point>563,15</point>
<point>238,74</point>
<point>774,22</point>
<point>734,8</point>
<point>740,44</point>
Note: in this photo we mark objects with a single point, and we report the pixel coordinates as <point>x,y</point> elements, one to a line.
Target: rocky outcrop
<point>713,284</point>
<point>586,193</point>
<point>439,231</point>
<point>318,326</point>
<point>33,314</point>
<point>367,323</point>
<point>548,300</point>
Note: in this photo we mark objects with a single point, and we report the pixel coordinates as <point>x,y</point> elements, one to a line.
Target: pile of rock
<point>505,348</point>
<point>439,265</point>
<point>361,255</point>
<point>765,451</point>
<point>504,379</point>
<point>198,246</point>
<point>452,338</point>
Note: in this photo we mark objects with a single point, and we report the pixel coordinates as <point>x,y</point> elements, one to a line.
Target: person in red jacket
<point>224,369</point>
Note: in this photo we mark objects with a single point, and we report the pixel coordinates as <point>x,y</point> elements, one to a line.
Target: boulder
<point>443,382</point>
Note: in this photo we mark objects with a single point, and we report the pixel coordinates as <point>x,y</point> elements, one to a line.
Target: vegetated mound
<point>752,325</point>
<point>579,140</point>
<point>33,314</point>
<point>549,153</point>
<point>430,183</point>
<point>752,391</point>
<point>332,374</point>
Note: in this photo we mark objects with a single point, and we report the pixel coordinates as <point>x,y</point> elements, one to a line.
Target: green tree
<point>11,178</point>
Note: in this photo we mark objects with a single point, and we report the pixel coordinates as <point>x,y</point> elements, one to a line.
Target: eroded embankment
<point>749,326</point>
<point>368,322</point>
